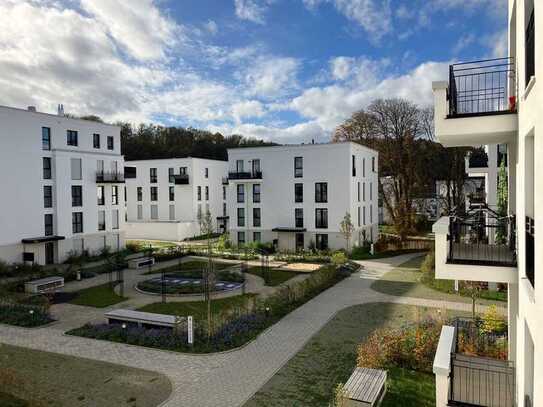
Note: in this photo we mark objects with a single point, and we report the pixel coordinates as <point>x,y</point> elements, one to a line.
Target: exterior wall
<point>185,201</point>
<point>21,177</point>
<point>330,163</point>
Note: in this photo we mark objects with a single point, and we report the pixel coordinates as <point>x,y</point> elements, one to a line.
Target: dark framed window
<point>224,209</point>
<point>101,220</point>
<point>77,195</point>
<point>257,220</point>
<point>154,193</point>
<point>364,216</point>
<point>257,236</point>
<point>298,167</point>
<point>77,222</point>
<point>363,167</point>
<point>354,165</point>
<point>373,164</point>
<point>139,194</point>
<point>298,193</point>
<point>48,224</point>
<point>358,190</point>
<point>256,193</point>
<point>153,175</point>
<point>299,217</point>
<point>207,193</point>
<point>321,192</point>
<point>358,216</point>
<point>241,193</point>
<point>199,192</point>
<point>172,194</point>
<point>96,142</point>
<point>100,195</point>
<point>371,191</point>
<point>71,138</point>
<point>364,191</point>
<point>183,170</point>
<point>256,166</point>
<point>46,138</point>
<point>224,193</point>
<point>115,195</point>
<point>46,168</point>
<point>300,244</point>
<point>110,143</point>
<point>321,241</point>
<point>241,238</point>
<point>47,196</point>
<point>321,218</point>
<point>206,172</point>
<point>241,217</point>
<point>529,48</point>
<point>171,178</point>
<point>502,154</point>
<point>239,165</point>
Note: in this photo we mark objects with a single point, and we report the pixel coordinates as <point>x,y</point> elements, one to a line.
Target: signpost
<point>190,332</point>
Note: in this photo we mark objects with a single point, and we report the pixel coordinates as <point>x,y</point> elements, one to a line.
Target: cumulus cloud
<point>270,76</point>
<point>211,27</point>
<point>247,109</point>
<point>251,10</point>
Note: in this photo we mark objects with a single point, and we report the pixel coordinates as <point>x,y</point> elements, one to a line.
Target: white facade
<point>519,128</point>
<point>164,197</point>
<point>49,204</point>
<point>330,179</point>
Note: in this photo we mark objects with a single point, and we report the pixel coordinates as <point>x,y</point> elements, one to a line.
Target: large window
<point>321,218</point>
<point>371,191</point>
<point>48,223</point>
<point>358,216</point>
<point>321,241</point>
<point>101,220</point>
<point>239,165</point>
<point>256,193</point>
<point>171,178</point>
<point>96,140</point>
<point>172,212</point>
<point>153,175</point>
<point>140,212</point>
<point>115,219</point>
<point>100,195</point>
<point>530,46</point>
<point>76,169</point>
<point>77,195</point>
<point>256,166</point>
<point>373,164</point>
<point>241,238</point>
<point>110,143</point>
<point>199,192</point>
<point>172,194</point>
<point>115,195</point>
<point>154,193</point>
<point>299,217</point>
<point>46,168</point>
<point>47,196</point>
<point>241,193</point>
<point>206,172</point>
<point>257,236</point>
<point>321,192</point>
<point>241,217</point>
<point>257,221</point>
<point>154,212</point>
<point>224,193</point>
<point>354,165</point>
<point>71,138</point>
<point>207,193</point>
<point>46,138</point>
<point>77,222</point>
<point>298,193</point>
<point>298,167</point>
<point>139,193</point>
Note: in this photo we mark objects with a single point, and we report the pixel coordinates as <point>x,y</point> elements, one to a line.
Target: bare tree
<point>346,228</point>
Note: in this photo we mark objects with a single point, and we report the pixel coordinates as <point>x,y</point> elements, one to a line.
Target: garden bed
<point>28,316</point>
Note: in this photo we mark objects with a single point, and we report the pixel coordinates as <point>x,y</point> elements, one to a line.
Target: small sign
<point>190,331</point>
<point>456,285</point>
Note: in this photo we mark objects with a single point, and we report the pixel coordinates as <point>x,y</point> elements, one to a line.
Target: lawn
<point>276,276</point>
<point>37,378</point>
<point>309,378</point>
<point>99,296</point>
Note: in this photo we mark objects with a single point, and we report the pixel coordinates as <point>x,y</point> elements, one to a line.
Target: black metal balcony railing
<point>245,175</point>
<point>530,48</point>
<point>109,177</point>
<point>181,179</point>
<point>480,87</point>
<point>530,253</point>
<point>483,243</point>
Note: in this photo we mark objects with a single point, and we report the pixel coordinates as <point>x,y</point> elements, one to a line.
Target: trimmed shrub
<point>24,315</point>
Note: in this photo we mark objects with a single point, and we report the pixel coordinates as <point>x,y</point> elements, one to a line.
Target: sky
<point>283,70</point>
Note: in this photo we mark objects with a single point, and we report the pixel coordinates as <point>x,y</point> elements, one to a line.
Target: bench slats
<point>365,385</point>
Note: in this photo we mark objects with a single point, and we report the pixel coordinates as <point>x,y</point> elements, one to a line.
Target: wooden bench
<point>365,388</point>
<point>44,285</point>
<point>141,319</point>
<point>140,262</point>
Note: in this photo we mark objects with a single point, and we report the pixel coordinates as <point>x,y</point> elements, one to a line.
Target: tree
<point>206,228</point>
<point>346,228</point>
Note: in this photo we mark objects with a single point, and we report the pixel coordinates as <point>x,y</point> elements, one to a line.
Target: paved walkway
<point>227,379</point>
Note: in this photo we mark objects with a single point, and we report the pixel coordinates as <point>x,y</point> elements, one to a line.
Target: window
<point>224,209</point>
<point>241,238</point>
<point>46,168</point>
<point>363,167</point>
<point>172,194</point>
<point>371,213</point>
<point>364,191</point>
<point>130,172</point>
<point>183,170</point>
<point>77,195</point>
<point>298,193</point>
<point>115,219</point>
<point>75,164</point>
<point>110,143</point>
<point>139,193</point>
<point>530,45</point>
<point>241,193</point>
<point>100,166</point>
<point>46,138</point>
<point>172,212</point>
<point>354,165</point>
<point>207,193</point>
<point>115,195</point>
<point>321,192</point>
<point>206,172</point>
<point>358,216</point>
<point>358,191</point>
<point>371,191</point>
<point>171,178</point>
<point>257,237</point>
<point>47,196</point>
<point>154,212</point>
<point>298,167</point>
<point>257,221</point>
<point>224,193</point>
<point>502,154</point>
<point>364,216</point>
<point>154,193</point>
<point>256,193</point>
<point>101,220</point>
<point>373,164</point>
<point>199,193</point>
<point>321,242</point>
<point>77,222</point>
<point>299,241</point>
<point>48,223</point>
<point>152,175</point>
<point>71,138</point>
<point>321,218</point>
<point>241,217</point>
<point>256,166</point>
<point>100,195</point>
<point>239,165</point>
<point>299,217</point>
<point>96,140</point>
<point>140,212</point>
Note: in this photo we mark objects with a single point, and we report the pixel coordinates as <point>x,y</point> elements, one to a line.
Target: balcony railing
<point>481,87</point>
<point>181,179</point>
<point>109,177</point>
<point>245,175</point>
<point>486,242</point>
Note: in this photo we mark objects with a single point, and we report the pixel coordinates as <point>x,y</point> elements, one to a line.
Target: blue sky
<point>285,70</point>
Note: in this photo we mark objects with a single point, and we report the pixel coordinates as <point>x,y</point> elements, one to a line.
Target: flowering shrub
<point>24,315</point>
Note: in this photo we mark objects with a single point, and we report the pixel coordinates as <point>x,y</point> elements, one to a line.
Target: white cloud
<point>247,109</point>
<point>341,67</point>
<point>463,42</point>
<point>251,10</point>
<point>497,43</point>
<point>211,27</point>
<point>270,76</point>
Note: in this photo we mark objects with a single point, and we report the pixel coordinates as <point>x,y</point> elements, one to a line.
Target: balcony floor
<point>490,255</point>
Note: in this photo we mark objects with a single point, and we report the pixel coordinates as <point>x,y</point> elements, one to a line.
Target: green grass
<point>383,255</point>
<point>144,244</point>
<point>35,378</point>
<point>100,296</point>
<point>309,378</point>
<point>198,309</point>
<point>276,277</point>
<point>191,265</point>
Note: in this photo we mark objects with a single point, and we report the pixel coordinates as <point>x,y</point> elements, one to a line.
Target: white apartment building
<point>297,195</point>
<point>166,196</point>
<point>62,186</point>
<point>498,102</point>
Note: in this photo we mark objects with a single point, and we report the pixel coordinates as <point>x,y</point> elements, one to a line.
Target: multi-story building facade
<point>62,186</point>
<point>296,196</point>
<point>167,197</point>
<point>484,103</point>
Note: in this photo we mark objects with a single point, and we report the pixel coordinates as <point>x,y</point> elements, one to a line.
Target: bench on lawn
<point>141,319</point>
<point>140,262</point>
<point>44,285</point>
<point>365,388</point>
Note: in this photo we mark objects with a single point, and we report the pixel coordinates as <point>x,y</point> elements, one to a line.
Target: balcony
<point>485,242</point>
<point>247,175</point>
<point>109,177</point>
<point>181,179</point>
<point>478,104</point>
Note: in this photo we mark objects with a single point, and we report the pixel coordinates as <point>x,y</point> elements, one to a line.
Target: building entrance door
<point>49,253</point>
